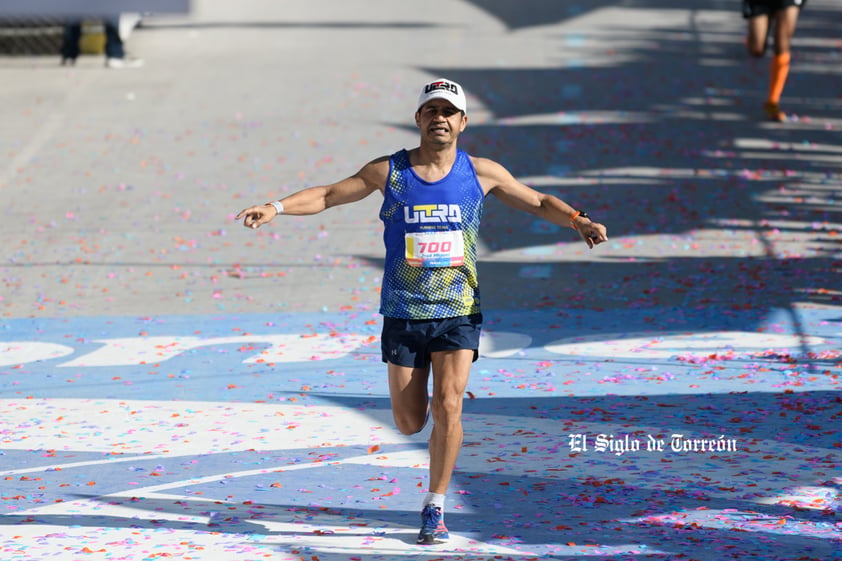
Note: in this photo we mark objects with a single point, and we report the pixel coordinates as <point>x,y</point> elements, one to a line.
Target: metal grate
<point>31,36</point>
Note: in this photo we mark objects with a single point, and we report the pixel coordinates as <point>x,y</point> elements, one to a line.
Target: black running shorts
<point>754,8</point>
<point>409,342</point>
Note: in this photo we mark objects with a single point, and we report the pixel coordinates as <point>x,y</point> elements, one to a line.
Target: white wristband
<point>279,206</point>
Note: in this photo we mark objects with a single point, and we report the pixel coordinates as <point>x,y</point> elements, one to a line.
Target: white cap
<point>442,88</point>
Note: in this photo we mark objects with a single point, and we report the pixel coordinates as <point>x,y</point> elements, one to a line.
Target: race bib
<point>435,249</point>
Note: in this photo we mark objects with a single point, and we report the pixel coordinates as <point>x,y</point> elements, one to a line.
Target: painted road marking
<point>128,435</point>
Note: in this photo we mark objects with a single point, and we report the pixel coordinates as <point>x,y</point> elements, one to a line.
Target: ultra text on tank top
<point>430,238</point>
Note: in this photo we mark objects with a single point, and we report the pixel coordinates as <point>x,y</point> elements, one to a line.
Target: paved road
<point>173,383</point>
<point>119,188</point>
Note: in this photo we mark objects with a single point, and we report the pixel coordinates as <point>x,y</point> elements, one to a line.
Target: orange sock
<point>778,71</point>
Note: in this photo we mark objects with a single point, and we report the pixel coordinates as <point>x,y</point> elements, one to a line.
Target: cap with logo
<point>443,89</point>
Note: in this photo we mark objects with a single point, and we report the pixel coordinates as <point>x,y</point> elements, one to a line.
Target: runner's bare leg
<point>451,370</point>
<point>409,395</point>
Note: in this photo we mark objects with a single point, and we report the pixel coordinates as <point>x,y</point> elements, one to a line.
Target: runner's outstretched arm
<point>313,200</point>
<point>498,181</point>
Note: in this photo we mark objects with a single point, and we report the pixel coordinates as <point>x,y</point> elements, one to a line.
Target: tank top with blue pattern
<point>431,231</point>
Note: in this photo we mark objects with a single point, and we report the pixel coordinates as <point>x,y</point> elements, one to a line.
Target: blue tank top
<point>430,238</point>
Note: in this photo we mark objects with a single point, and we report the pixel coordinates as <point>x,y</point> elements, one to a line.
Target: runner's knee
<point>409,423</point>
<point>447,409</point>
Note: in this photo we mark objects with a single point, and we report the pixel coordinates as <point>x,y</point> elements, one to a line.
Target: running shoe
<point>433,530</point>
<point>773,110</point>
<point>122,63</point>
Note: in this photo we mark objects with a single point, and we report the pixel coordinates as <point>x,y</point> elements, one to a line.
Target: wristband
<point>575,215</point>
<point>279,206</point>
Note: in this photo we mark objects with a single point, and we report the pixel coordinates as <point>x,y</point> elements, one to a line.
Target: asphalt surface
<point>119,188</point>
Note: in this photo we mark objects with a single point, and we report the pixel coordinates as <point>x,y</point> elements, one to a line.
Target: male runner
<point>432,204</point>
<point>784,15</point>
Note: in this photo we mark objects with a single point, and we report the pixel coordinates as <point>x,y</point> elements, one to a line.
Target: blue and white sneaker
<point>433,530</point>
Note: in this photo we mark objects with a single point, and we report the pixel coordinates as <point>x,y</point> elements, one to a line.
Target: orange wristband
<point>572,218</point>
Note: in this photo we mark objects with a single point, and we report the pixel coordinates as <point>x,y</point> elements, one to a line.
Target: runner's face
<point>440,122</point>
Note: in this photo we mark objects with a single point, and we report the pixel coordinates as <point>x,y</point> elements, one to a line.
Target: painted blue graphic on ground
<point>265,434</point>
<point>324,356</point>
